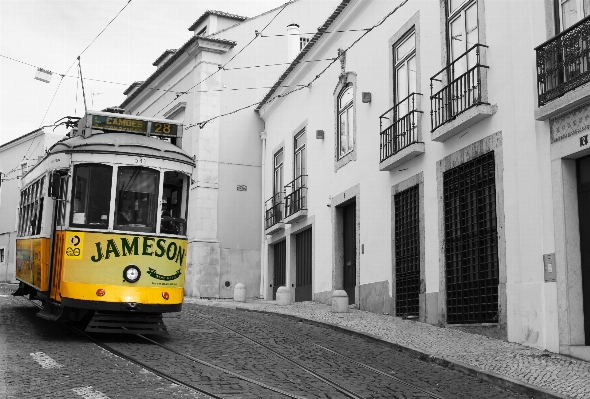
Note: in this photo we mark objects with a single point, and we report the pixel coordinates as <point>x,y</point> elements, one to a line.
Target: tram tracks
<point>323,348</point>
<point>208,393</point>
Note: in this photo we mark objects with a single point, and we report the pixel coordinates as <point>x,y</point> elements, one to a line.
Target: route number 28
<point>162,128</point>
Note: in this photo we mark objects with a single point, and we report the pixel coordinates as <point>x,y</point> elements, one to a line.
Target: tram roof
<point>123,144</point>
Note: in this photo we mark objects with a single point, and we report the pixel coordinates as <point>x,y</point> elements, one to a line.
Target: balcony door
<point>572,11</point>
<point>278,187</point>
<point>463,30</point>
<point>404,55</point>
<point>300,167</point>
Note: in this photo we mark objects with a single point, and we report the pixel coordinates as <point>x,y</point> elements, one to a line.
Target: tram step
<point>126,323</point>
<point>51,312</point>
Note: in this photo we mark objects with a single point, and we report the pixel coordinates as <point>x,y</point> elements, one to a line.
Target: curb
<point>484,375</point>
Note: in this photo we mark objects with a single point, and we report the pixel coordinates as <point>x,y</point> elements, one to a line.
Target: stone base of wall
<point>323,297</point>
<point>431,309</point>
<point>239,266</point>
<point>202,270</point>
<point>375,298</point>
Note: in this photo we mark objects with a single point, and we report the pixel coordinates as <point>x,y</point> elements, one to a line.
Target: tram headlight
<point>131,273</point>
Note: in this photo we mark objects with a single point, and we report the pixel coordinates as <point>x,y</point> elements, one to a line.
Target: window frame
<point>299,151</point>
<point>579,8</point>
<point>413,54</point>
<point>278,168</point>
<point>340,111</point>
<point>460,11</point>
<point>157,198</point>
<point>31,201</point>
<point>73,184</point>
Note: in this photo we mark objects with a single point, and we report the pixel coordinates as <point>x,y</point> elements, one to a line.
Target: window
<point>91,196</point>
<point>136,203</point>
<point>463,31</point>
<point>31,209</point>
<point>62,200</point>
<point>572,11</point>
<point>23,168</point>
<point>345,121</point>
<point>299,168</point>
<point>1,255</point>
<point>404,54</point>
<point>278,173</point>
<point>174,203</point>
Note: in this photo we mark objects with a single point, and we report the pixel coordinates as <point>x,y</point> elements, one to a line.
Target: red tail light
<point>100,292</point>
<point>165,295</point>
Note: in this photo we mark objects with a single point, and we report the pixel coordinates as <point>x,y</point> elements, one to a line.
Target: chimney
<point>293,46</point>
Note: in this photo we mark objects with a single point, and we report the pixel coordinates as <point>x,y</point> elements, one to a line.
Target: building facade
<point>16,158</point>
<point>430,172</point>
<point>220,69</point>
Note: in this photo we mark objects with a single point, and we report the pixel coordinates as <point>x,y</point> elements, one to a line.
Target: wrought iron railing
<point>296,200</point>
<point>563,63</point>
<point>273,210</point>
<point>457,87</point>
<point>402,126</point>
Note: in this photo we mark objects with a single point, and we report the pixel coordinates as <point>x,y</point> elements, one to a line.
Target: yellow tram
<point>102,223</point>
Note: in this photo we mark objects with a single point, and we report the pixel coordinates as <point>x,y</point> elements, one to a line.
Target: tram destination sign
<point>155,128</point>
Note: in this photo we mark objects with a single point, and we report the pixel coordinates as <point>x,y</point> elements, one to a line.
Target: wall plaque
<point>574,122</point>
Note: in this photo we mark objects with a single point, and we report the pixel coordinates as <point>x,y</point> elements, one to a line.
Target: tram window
<point>174,203</point>
<point>31,209</point>
<point>61,201</point>
<point>136,204</point>
<point>91,196</point>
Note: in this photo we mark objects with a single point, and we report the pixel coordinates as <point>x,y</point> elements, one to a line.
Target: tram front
<point>119,234</point>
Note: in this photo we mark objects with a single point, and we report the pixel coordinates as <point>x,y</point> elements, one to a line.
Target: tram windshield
<point>91,196</point>
<point>136,204</point>
<point>174,200</point>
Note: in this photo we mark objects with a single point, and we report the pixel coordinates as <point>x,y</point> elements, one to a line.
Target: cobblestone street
<point>226,352</point>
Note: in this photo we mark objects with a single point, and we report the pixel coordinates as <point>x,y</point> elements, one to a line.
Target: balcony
<point>458,94</point>
<point>273,214</point>
<point>296,200</point>
<point>563,67</point>
<point>401,139</point>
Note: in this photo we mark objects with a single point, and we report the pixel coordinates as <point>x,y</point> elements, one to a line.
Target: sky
<point>50,34</point>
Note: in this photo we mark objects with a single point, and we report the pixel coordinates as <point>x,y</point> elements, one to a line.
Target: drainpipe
<point>263,253</point>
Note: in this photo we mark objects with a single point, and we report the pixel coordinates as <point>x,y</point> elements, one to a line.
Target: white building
<point>189,85</point>
<point>419,175</point>
<point>16,157</point>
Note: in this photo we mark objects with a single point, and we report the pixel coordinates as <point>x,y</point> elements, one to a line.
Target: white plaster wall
<point>512,30</point>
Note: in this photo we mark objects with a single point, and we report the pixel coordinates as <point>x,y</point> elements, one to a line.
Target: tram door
<point>349,248</point>
<point>583,169</point>
<point>280,267</point>
<point>303,289</point>
<point>59,236</point>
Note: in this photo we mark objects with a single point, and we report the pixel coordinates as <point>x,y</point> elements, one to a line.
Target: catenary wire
<point>367,31</point>
<point>235,55</point>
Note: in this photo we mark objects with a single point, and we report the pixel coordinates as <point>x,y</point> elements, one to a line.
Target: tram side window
<point>31,209</point>
<point>174,203</point>
<point>136,204</point>
<point>91,196</point>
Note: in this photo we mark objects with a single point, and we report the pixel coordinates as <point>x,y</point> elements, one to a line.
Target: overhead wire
<point>234,56</point>
<point>367,31</point>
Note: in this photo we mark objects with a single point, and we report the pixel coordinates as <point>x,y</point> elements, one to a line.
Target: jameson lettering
<point>154,274</point>
<point>149,247</point>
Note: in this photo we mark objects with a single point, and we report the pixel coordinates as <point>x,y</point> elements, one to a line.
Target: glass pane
<point>174,203</point>
<point>405,48</point>
<point>411,80</point>
<point>297,164</point>
<point>454,4</point>
<point>401,83</point>
<point>586,8</point>
<point>278,188</point>
<point>458,46</point>
<point>279,158</point>
<point>569,13</point>
<point>300,140</point>
<point>343,136</point>
<point>345,97</point>
<point>472,33</point>
<point>350,126</point>
<point>137,190</point>
<point>92,196</point>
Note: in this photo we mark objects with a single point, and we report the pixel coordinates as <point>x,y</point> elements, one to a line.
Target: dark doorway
<point>349,249</point>
<point>583,169</point>
<point>280,267</point>
<point>407,253</point>
<point>471,242</point>
<point>303,291</point>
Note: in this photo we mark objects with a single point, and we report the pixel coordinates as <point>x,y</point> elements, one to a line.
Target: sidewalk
<point>537,373</point>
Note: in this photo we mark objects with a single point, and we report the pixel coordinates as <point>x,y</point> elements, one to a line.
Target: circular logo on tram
<point>74,240</point>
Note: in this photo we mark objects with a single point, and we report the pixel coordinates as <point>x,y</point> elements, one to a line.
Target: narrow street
<point>213,352</point>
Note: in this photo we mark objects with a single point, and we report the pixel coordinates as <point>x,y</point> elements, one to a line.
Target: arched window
<point>345,121</point>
